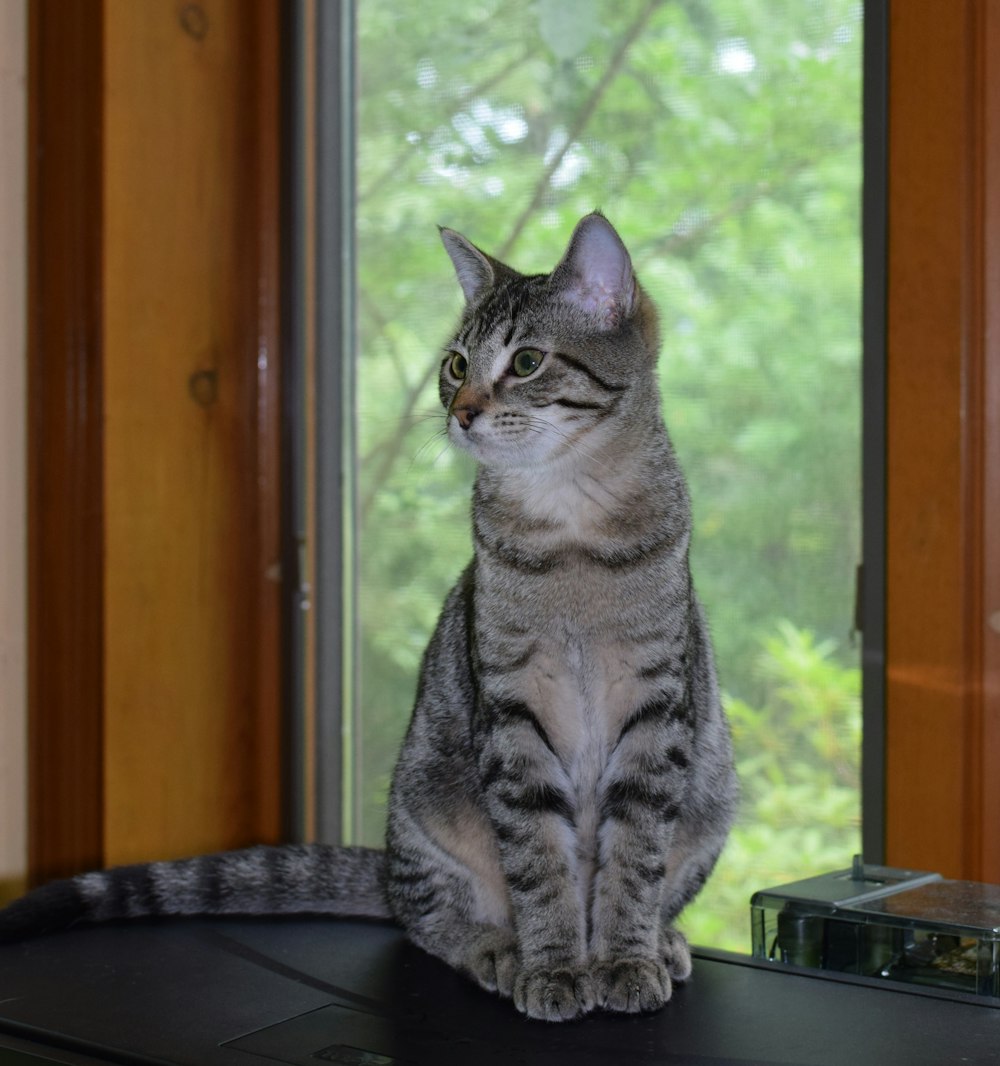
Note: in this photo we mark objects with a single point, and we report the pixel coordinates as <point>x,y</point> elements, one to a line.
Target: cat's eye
<point>526,362</point>
<point>459,365</point>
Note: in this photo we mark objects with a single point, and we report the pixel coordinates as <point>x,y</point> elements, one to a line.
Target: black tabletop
<point>355,993</point>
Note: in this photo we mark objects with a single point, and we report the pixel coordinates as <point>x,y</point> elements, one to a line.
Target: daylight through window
<point>723,140</point>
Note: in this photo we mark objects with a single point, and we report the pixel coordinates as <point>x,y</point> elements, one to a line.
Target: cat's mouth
<point>500,439</point>
<point>495,441</point>
<point>480,440</point>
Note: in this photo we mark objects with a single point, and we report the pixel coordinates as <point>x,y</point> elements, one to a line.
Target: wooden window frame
<point>65,453</point>
<point>942,670</point>
<point>141,116</point>
<point>943,439</point>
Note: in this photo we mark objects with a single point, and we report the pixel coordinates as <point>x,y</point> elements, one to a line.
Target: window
<point>723,139</point>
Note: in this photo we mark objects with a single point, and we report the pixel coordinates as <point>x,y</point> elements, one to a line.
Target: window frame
<point>942,402</point>
<point>898,83</point>
<point>871,577</point>
<point>943,439</point>
<point>338,645</point>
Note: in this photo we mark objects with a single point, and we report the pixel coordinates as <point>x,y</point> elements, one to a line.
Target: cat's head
<point>544,366</point>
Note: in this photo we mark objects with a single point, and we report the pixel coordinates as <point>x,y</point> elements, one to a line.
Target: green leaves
<point>798,759</point>
<point>722,138</point>
<point>567,26</point>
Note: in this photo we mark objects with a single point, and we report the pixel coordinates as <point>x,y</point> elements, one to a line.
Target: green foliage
<point>798,759</point>
<point>722,138</point>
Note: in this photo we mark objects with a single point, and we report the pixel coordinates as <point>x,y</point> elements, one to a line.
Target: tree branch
<point>586,113</point>
<point>392,172</point>
<point>685,242</point>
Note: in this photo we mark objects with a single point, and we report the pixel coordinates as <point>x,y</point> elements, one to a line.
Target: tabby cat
<point>566,782</point>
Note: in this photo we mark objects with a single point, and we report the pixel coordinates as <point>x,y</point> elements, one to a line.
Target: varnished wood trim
<point>265,36</point>
<point>989,739</point>
<point>119,769</point>
<point>941,738</point>
<point>65,506</point>
<point>192,712</point>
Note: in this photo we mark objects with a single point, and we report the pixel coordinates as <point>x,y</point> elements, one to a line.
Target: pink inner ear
<point>597,298</point>
<point>599,272</point>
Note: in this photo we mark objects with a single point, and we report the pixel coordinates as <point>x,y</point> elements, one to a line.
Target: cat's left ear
<point>596,272</point>
<point>476,271</point>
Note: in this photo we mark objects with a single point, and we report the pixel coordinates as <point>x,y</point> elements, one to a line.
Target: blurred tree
<point>722,138</point>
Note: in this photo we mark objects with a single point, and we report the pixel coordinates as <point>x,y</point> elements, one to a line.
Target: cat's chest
<point>581,689</point>
<point>574,508</point>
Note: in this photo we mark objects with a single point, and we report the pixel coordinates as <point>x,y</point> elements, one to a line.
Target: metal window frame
<point>323,599</point>
<point>872,583</point>
<point>336,563</point>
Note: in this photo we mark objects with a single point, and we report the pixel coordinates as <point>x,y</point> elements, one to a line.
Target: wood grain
<point>65,449</point>
<point>154,591</point>
<point>264,135</point>
<point>989,739</point>
<point>940,479</point>
<point>191,648</point>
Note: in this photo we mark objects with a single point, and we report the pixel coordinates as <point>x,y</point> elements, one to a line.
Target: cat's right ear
<point>475,269</point>
<point>595,274</point>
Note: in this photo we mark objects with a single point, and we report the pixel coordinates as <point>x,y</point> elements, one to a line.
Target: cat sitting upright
<point>566,782</point>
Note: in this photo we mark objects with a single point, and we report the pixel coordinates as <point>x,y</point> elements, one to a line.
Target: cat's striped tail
<point>308,879</point>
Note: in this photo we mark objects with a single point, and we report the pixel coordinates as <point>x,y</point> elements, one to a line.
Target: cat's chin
<point>503,454</point>
<point>514,462</point>
<point>554,454</point>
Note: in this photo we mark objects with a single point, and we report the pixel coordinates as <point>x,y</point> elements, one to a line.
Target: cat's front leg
<point>490,957</point>
<point>528,802</point>
<point>632,955</point>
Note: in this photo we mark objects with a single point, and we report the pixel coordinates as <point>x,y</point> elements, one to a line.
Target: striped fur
<point>311,879</point>
<point>566,782</point>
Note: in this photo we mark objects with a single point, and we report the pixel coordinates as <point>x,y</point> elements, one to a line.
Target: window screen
<point>723,140</point>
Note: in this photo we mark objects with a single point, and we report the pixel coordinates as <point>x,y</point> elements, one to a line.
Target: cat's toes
<point>555,995</point>
<point>676,954</point>
<point>631,985</point>
<point>493,962</point>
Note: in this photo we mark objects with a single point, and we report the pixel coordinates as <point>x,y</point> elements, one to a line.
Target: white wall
<point>13,401</point>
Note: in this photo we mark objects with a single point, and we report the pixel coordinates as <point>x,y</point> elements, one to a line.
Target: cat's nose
<point>466,414</point>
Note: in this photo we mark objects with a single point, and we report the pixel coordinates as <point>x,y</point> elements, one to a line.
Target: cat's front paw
<point>493,961</point>
<point>676,954</point>
<point>554,995</point>
<point>631,986</point>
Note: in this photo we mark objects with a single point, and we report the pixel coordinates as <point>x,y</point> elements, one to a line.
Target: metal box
<point>876,921</point>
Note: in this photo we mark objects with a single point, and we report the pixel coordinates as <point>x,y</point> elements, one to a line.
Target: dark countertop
<point>355,993</point>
